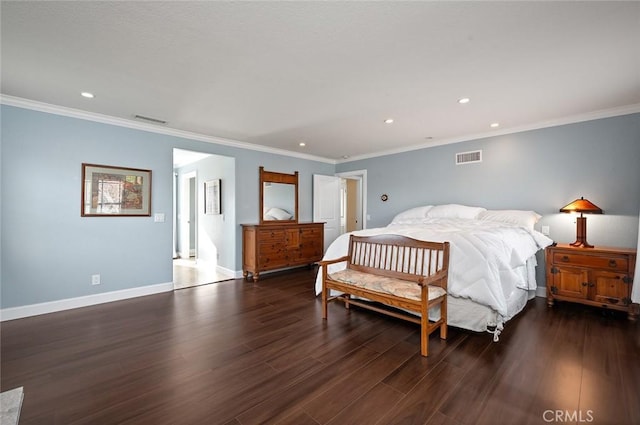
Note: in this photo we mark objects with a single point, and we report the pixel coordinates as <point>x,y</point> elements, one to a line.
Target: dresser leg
<point>256,276</point>
<point>634,310</point>
<point>549,302</point>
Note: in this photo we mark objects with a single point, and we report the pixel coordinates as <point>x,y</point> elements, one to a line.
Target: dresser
<point>276,246</point>
<point>600,276</point>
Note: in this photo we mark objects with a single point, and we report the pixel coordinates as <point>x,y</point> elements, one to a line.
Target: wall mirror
<point>278,197</point>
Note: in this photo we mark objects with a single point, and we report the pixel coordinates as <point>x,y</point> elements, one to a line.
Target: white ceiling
<point>328,73</point>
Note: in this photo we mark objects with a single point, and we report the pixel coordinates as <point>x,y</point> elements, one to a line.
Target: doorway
<point>202,241</point>
<point>340,202</point>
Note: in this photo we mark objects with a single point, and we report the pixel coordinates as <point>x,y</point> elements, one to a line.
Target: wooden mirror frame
<point>273,177</point>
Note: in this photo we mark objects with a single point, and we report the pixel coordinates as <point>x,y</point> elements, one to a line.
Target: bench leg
<point>424,335</point>
<point>443,317</point>
<point>324,303</point>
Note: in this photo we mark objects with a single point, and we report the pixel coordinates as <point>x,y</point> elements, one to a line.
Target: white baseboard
<point>223,270</point>
<point>13,313</point>
<point>541,291</point>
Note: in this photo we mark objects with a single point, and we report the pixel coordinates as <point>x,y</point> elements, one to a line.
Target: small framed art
<point>212,197</point>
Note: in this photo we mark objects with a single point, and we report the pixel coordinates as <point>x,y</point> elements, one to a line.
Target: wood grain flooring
<point>244,353</point>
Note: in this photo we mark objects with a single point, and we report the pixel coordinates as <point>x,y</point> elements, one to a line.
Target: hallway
<point>187,273</point>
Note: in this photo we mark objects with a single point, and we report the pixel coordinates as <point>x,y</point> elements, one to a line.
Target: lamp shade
<point>582,206</point>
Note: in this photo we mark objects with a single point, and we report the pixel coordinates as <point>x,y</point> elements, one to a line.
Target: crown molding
<point>589,116</point>
<point>122,122</point>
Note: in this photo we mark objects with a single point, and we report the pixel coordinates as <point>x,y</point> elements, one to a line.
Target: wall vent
<point>468,157</point>
<point>149,119</point>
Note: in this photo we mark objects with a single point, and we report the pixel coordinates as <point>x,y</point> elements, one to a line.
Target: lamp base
<point>581,244</point>
<point>581,234</point>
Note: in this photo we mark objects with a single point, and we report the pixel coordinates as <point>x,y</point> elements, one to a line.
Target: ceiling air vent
<point>468,157</point>
<point>149,119</point>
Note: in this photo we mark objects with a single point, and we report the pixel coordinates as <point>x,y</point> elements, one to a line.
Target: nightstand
<point>600,277</point>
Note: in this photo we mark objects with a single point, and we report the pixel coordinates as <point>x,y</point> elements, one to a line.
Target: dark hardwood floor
<point>252,353</point>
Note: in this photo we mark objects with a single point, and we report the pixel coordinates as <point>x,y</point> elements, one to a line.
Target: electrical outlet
<point>545,230</point>
<point>95,279</point>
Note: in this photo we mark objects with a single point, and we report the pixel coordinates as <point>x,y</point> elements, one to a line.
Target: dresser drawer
<point>311,233</point>
<point>268,235</point>
<point>606,263</point>
<point>269,261</point>
<point>271,248</point>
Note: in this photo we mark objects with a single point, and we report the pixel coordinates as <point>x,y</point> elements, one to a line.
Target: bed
<point>492,263</point>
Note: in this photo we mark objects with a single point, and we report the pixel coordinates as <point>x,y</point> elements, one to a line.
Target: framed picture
<point>109,191</point>
<point>212,197</point>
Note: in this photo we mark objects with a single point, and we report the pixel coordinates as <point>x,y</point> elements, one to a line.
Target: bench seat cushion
<point>385,285</point>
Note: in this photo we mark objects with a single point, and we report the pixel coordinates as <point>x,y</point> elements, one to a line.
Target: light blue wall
<point>49,252</point>
<point>540,170</point>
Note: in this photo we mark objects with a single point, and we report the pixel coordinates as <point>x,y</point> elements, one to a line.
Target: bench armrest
<point>333,261</point>
<point>428,280</point>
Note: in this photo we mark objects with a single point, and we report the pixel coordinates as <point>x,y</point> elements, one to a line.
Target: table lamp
<point>581,206</point>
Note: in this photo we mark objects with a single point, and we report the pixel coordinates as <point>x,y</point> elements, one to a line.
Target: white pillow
<point>454,211</point>
<point>411,214</point>
<point>526,219</point>
<point>279,214</point>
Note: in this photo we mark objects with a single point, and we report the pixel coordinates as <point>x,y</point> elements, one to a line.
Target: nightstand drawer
<point>607,263</point>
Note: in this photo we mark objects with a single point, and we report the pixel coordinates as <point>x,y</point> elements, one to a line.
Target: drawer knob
<point>612,263</point>
<point>585,283</point>
<point>565,258</point>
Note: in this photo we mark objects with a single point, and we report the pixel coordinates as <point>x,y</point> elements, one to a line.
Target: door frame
<point>183,215</point>
<point>360,175</point>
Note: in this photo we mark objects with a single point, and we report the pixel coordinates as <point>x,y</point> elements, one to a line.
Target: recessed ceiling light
<point>345,156</point>
<point>87,95</point>
<point>388,121</point>
<point>464,100</point>
<point>495,124</point>
<point>302,144</point>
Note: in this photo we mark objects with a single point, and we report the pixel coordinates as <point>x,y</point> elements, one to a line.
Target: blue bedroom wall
<point>540,170</point>
<point>49,252</point>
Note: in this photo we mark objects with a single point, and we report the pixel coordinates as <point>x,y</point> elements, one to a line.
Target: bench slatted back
<point>398,256</point>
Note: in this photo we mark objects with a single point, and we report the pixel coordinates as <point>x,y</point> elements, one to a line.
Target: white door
<point>326,205</point>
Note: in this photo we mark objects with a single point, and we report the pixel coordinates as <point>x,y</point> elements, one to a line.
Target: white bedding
<point>488,260</point>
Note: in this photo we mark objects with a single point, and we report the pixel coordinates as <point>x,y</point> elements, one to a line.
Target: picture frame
<point>109,191</point>
<point>212,198</point>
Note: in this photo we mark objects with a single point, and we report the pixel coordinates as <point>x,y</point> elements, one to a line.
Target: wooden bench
<point>396,271</point>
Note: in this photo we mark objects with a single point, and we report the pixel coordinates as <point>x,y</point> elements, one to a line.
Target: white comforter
<point>487,259</point>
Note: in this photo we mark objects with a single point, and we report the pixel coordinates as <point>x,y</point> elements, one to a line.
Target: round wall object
<point>384,197</point>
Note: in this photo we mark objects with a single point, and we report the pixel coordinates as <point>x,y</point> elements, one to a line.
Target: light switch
<point>158,217</point>
<point>545,230</point>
